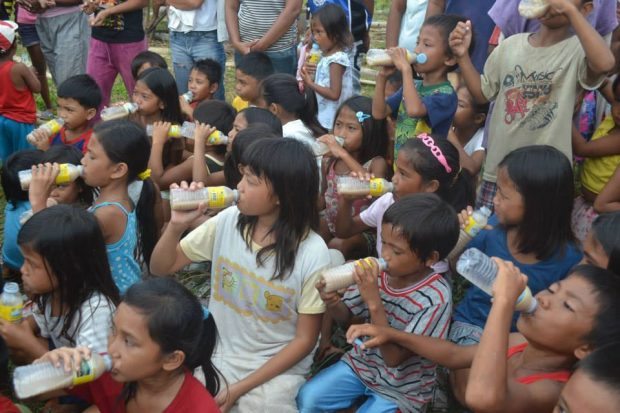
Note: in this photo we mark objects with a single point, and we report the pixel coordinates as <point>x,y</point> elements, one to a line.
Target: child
<point>252,116</point>
<point>266,258</point>
<point>418,231</point>
<point>608,200</point>
<point>296,110</point>
<point>78,100</point>
<point>363,152</point>
<point>574,316</point>
<point>251,69</point>
<point>146,60</point>
<point>467,130</point>
<point>204,81</point>
<point>426,105</point>
<point>18,111</point>
<point>118,155</point>
<point>602,244</point>
<point>595,385</point>
<point>531,78</point>
<point>160,334</point>
<point>67,276</point>
<point>333,82</point>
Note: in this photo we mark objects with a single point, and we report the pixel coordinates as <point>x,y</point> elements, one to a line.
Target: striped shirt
<point>423,308</point>
<point>256,18</point>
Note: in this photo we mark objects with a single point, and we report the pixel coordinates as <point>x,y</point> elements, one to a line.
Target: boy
<point>418,230</point>
<point>251,69</point>
<point>534,79</point>
<point>78,100</point>
<point>204,81</point>
<point>426,105</point>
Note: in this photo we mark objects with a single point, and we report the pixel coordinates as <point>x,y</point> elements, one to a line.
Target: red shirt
<point>81,142</point>
<point>105,394</point>
<point>7,406</point>
<point>15,104</point>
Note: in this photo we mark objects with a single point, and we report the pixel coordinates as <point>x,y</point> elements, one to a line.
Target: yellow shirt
<point>597,171</point>
<point>239,104</point>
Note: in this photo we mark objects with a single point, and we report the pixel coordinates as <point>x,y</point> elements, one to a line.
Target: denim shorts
<point>28,34</point>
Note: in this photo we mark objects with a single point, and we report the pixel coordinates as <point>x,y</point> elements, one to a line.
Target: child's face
<point>396,252</point>
<point>35,276</point>
<point>566,313</point>
<point>98,169</point>
<point>256,198</point>
<point>593,252</point>
<point>75,115</point>
<point>582,394</point>
<point>320,36</point>
<point>148,103</point>
<point>555,20</point>
<point>465,114</point>
<point>239,124</point>
<point>431,42</point>
<point>508,202</point>
<point>406,180</point>
<point>66,194</point>
<point>200,86</point>
<point>348,127</point>
<point>246,86</point>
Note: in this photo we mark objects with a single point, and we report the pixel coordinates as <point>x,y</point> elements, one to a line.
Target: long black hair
<point>71,243</point>
<point>290,169</point>
<point>162,84</point>
<point>334,22</point>
<point>125,141</point>
<point>9,175</point>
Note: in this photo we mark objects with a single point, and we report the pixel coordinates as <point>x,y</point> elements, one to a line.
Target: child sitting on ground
<point>203,83</point>
<point>252,68</point>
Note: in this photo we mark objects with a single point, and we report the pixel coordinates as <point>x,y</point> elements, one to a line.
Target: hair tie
<point>361,116</point>
<point>430,143</point>
<point>205,312</point>
<point>456,177</point>
<point>144,175</point>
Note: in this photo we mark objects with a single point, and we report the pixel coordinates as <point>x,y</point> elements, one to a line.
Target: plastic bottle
<point>315,54</point>
<point>481,271</point>
<point>11,303</point>
<point>51,127</point>
<point>348,185</point>
<point>477,220</point>
<point>380,57</point>
<point>188,96</point>
<point>41,378</point>
<point>186,130</point>
<point>118,112</point>
<point>216,197</point>
<point>341,277</point>
<point>533,9</point>
<point>320,149</point>
<point>67,173</point>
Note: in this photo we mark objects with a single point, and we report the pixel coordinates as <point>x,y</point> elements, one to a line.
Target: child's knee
<point>308,396</point>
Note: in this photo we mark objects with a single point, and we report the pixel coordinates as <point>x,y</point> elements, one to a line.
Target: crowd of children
<point>96,253</point>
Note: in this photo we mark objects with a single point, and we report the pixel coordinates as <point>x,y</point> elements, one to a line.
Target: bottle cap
<point>11,288</point>
<point>486,211</point>
<point>421,58</point>
<point>107,361</point>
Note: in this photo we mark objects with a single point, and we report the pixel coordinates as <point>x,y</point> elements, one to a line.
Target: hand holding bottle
<point>41,184</point>
<point>335,149</point>
<point>399,58</point>
<point>68,357</point>
<point>202,133</point>
<point>160,133</point>
<point>330,298</point>
<point>509,284</point>
<point>378,335</point>
<point>182,219</point>
<point>365,276</point>
<point>40,139</point>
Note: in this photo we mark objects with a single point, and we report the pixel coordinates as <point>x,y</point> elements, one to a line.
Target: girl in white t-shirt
<point>266,259</point>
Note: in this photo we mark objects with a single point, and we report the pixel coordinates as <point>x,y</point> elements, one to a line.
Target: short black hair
<point>334,22</point>
<point>70,154</point>
<point>83,89</point>
<point>256,64</point>
<point>446,23</point>
<point>602,367</point>
<point>427,222</point>
<point>606,230</point>
<point>256,116</point>
<point>210,68</point>
<point>147,56</point>
<point>218,114</point>
<point>19,161</point>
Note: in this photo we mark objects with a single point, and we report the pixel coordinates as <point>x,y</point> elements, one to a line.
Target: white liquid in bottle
<point>348,185</point>
<point>118,112</point>
<point>341,277</point>
<point>380,57</point>
<point>216,197</point>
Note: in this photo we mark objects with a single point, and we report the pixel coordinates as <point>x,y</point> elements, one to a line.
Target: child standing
<point>409,295</point>
<point>18,111</point>
<point>266,259</point>
<point>204,81</point>
<point>426,105</point>
<point>531,76</point>
<point>251,69</point>
<point>333,82</point>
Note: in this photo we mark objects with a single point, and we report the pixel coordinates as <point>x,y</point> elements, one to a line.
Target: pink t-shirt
<point>25,17</point>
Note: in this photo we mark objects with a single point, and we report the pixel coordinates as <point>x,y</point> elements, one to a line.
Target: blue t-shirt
<point>476,305</point>
<point>11,255</point>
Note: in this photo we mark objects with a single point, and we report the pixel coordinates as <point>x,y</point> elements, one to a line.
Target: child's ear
<point>432,260</point>
<point>214,87</point>
<point>450,61</point>
<point>274,108</point>
<point>90,113</point>
<point>480,118</point>
<point>586,8</point>
<point>431,186</point>
<point>582,351</point>
<point>173,360</point>
<point>120,170</point>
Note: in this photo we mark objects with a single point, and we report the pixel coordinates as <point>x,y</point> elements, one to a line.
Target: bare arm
<point>435,7</point>
<point>232,21</point>
<point>472,163</point>
<point>397,9</point>
<point>605,146</point>
<point>287,17</point>
<point>336,72</point>
<point>609,198</point>
<point>460,40</point>
<point>380,109</point>
<point>29,78</point>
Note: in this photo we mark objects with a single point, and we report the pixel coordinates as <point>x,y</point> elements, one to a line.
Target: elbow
<point>483,401</point>
<point>600,206</point>
<point>391,362</point>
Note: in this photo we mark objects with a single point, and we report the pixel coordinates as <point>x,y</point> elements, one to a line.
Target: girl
<point>117,155</point>
<point>66,273</point>
<point>602,244</point>
<point>159,335</point>
<point>574,317</point>
<point>296,109</point>
<point>252,116</point>
<point>266,260</point>
<point>333,80</point>
<point>364,151</point>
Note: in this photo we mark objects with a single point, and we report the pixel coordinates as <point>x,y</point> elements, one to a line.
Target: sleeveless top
<point>123,265</point>
<point>15,104</point>
<point>561,376</point>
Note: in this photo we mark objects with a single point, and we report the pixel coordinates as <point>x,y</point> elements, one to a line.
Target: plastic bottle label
<point>175,131</point>
<point>64,176</point>
<point>215,138</point>
<point>471,223</point>
<point>376,187</point>
<point>216,197</point>
<point>54,126</point>
<point>85,374</point>
<point>11,313</point>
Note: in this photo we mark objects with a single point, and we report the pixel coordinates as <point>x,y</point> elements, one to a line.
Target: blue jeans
<point>336,388</point>
<point>187,48</point>
<point>284,61</point>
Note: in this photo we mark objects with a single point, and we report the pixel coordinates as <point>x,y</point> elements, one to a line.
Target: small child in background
<point>334,78</point>
<point>18,110</point>
<point>418,231</point>
<point>146,60</point>
<point>467,130</point>
<point>427,105</point>
<point>251,116</point>
<point>601,246</point>
<point>204,81</point>
<point>78,100</point>
<point>251,69</point>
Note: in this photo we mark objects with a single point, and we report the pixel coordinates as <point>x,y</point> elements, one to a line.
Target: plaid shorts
<point>485,194</point>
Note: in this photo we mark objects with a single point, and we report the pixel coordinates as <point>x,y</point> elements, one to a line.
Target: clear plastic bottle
<point>67,173</point>
<point>11,303</point>
<point>39,378</point>
<point>341,277</point>
<point>481,271</point>
<point>315,54</point>
<point>186,130</point>
<point>380,57</point>
<point>119,112</point>
<point>320,149</point>
<point>216,197</point>
<point>348,185</point>
<point>188,96</point>
<point>477,220</point>
<point>533,9</point>
<point>51,127</point>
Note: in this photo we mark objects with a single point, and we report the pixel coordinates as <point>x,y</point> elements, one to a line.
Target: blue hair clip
<point>205,312</point>
<point>361,116</point>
